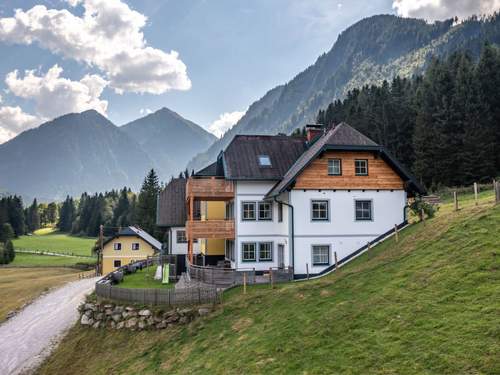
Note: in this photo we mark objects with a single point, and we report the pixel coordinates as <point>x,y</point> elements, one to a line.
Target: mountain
<point>73,153</point>
<point>169,139</point>
<point>373,49</point>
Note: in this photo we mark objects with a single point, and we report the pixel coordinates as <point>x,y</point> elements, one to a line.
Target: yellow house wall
<point>213,210</point>
<point>126,254</point>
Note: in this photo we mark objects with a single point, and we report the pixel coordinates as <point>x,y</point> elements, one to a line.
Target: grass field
<point>21,285</point>
<point>48,240</point>
<point>429,304</point>
<point>143,279</point>
<point>23,259</point>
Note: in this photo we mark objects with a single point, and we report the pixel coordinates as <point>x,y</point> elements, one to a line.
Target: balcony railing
<point>210,228</point>
<point>209,188</point>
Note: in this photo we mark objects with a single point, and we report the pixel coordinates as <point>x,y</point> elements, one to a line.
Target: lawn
<point>428,304</point>
<point>23,259</point>
<point>143,279</point>
<point>21,285</point>
<point>49,240</point>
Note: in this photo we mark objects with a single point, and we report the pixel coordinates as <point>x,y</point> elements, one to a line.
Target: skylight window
<point>264,161</point>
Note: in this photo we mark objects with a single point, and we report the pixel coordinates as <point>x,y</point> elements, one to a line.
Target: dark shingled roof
<point>341,137</point>
<point>241,158</point>
<point>214,169</point>
<point>171,210</point>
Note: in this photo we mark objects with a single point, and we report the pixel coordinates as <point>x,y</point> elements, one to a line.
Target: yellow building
<point>129,245</point>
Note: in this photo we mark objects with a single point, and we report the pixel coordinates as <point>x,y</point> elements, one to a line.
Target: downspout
<point>293,233</point>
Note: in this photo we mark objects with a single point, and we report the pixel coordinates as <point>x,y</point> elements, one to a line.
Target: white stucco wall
<point>259,231</point>
<point>341,232</point>
<point>181,248</point>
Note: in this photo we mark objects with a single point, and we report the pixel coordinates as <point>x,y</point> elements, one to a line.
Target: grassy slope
<point>18,286</point>
<point>143,279</point>
<point>428,305</point>
<point>23,259</point>
<point>46,240</point>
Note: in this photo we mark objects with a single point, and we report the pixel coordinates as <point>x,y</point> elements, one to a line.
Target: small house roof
<point>137,232</point>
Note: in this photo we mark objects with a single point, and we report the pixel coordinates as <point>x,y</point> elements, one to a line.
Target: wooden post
<point>422,215</point>
<point>455,200</point>
<point>244,282</point>
<point>101,245</point>
<point>396,232</point>
<point>336,261</point>
<point>496,187</point>
<point>307,270</point>
<point>475,192</point>
<point>271,277</point>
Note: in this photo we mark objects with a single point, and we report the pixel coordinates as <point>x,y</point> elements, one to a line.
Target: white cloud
<point>54,95</point>
<point>442,9</point>
<point>13,121</point>
<point>108,36</point>
<point>145,111</point>
<point>225,122</point>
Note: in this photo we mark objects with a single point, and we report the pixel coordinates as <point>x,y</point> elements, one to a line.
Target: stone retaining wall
<point>98,315</point>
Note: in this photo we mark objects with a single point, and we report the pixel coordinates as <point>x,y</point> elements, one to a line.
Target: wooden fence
<point>166,297</point>
<point>226,277</point>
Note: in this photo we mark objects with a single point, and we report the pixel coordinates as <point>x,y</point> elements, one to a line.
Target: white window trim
<point>327,210</point>
<point>329,255</point>
<point>340,167</point>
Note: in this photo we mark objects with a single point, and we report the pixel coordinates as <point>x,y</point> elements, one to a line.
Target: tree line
<point>444,125</point>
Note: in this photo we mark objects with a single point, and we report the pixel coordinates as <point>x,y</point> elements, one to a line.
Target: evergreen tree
<point>16,215</point>
<point>33,217</point>
<point>52,213</point>
<point>6,232</point>
<point>146,205</point>
<point>66,215</point>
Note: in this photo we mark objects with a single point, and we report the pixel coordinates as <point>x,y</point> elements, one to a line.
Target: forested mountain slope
<point>376,48</point>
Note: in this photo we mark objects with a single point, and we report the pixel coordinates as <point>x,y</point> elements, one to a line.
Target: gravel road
<point>27,338</point>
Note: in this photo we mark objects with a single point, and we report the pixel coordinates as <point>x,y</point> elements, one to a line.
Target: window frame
<point>117,246</point>
<point>243,244</point>
<point>355,167</point>
<point>271,251</point>
<point>327,201</point>
<point>254,203</point>
<point>356,201</point>
<point>138,246</point>
<point>340,166</point>
<point>114,263</point>
<point>328,246</point>
<point>270,210</point>
<point>177,236</point>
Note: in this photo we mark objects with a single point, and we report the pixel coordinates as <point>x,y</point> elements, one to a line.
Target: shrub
<point>429,209</point>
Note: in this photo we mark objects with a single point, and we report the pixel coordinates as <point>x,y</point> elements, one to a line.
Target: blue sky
<point>115,55</point>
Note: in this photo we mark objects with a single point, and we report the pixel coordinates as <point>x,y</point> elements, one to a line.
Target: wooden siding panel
<point>380,174</point>
<point>211,228</point>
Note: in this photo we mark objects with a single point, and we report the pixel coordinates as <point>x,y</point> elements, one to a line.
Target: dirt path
<point>27,338</point>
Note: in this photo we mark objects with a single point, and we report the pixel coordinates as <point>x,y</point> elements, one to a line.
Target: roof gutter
<point>292,242</point>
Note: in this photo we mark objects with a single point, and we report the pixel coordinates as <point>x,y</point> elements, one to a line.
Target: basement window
<point>320,255</point>
<point>264,161</point>
<point>117,263</point>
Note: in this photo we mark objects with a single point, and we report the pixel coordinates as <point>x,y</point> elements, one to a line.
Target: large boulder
<point>86,321</point>
<point>131,323</point>
<point>145,313</point>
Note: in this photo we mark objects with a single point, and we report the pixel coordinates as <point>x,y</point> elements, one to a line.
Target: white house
<point>295,202</point>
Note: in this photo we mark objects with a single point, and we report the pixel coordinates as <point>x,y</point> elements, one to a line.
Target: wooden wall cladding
<point>380,174</point>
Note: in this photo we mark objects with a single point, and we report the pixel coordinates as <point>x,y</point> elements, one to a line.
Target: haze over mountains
<point>85,151</point>
<point>373,49</point>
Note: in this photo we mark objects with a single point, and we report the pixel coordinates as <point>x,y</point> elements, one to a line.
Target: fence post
<point>496,187</point>
<point>422,215</point>
<point>336,261</point>
<point>254,276</point>
<point>271,277</point>
<point>307,270</point>
<point>475,192</point>
<point>455,200</point>
<point>244,282</point>
<point>396,232</point>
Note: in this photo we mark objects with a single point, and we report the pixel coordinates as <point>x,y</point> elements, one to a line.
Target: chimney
<point>313,131</point>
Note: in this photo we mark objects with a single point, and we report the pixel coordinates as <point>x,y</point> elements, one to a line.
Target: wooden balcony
<point>209,189</point>
<point>210,229</point>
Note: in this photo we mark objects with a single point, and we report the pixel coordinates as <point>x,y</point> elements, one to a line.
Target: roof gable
<point>134,231</point>
<point>171,204</point>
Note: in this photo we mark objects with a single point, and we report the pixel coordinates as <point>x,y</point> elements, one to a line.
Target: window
<point>319,211</point>
<point>265,251</point>
<point>320,255</point>
<point>248,209</point>
<point>117,246</point>
<point>181,236</point>
<point>280,212</point>
<point>229,210</point>
<point>361,167</point>
<point>264,161</point>
<point>230,250</point>
<point>363,210</point>
<point>248,252</point>
<point>117,263</point>
<point>334,167</point>
<point>135,246</point>
<point>265,211</point>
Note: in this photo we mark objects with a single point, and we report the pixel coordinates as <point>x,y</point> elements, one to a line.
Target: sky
<point>208,60</point>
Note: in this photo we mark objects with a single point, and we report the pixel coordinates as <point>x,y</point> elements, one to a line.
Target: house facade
<point>295,202</point>
<point>129,245</point>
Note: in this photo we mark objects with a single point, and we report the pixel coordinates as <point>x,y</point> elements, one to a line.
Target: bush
<point>429,209</point>
<point>6,233</point>
<point>7,253</point>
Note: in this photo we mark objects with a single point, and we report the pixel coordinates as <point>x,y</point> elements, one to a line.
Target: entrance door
<point>281,255</point>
